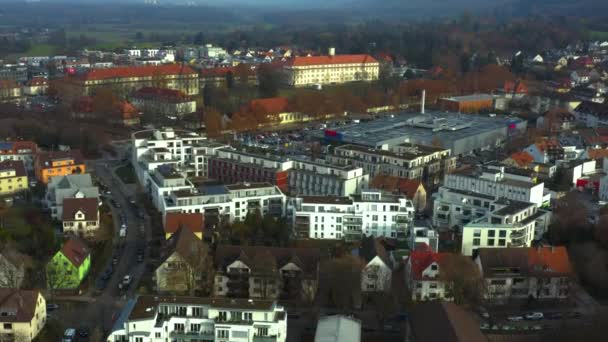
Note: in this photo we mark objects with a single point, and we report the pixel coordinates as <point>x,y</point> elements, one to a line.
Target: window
<point>248,316</point>
<point>195,327</point>
<point>502,233</point>
<point>498,282</point>
<point>179,327</point>
<point>502,242</point>
<point>223,333</point>
<point>374,218</point>
<point>477,233</point>
<point>198,312</point>
<point>476,242</point>
<point>491,233</point>
<point>157,335</point>
<point>490,242</point>
<point>8,326</point>
<point>139,339</point>
<point>434,267</point>
<point>222,316</point>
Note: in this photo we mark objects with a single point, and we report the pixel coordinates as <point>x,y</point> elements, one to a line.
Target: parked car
<point>52,307</point>
<point>515,318</point>
<point>69,335</point>
<point>127,280</point>
<point>140,258</point>
<point>115,260</point>
<point>534,316</point>
<point>83,332</point>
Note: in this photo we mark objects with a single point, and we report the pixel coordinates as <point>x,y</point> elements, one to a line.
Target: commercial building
<point>415,162</point>
<point>130,78</point>
<point>22,314</point>
<point>330,69</point>
<point>466,104</point>
<point>162,318</point>
<point>13,177</point>
<point>58,163</point>
<point>460,133</point>
<point>24,151</point>
<point>165,102</point>
<point>508,223</point>
<point>350,218</point>
<point>260,272</point>
<point>521,273</point>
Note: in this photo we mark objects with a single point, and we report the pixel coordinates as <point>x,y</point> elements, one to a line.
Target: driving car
<point>515,318</point>
<point>533,316</point>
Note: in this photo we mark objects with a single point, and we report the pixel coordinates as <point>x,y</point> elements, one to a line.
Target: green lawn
<point>599,35</point>
<point>126,174</point>
<point>41,50</point>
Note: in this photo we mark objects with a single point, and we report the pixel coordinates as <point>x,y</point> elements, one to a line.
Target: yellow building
<point>23,314</point>
<point>61,163</point>
<point>13,177</point>
<point>331,69</point>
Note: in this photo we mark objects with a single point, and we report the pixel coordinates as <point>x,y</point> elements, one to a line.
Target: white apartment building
<point>319,178</point>
<point>210,51</point>
<point>155,147</point>
<point>508,223</point>
<point>227,202</point>
<point>169,318</point>
<point>494,181</point>
<point>349,218</point>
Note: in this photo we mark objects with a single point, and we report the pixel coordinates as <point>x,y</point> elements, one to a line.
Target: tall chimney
<point>422,101</point>
<point>332,51</point>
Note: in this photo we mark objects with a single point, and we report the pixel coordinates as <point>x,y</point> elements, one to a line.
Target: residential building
<point>124,114</point>
<point>519,159</point>
<point>377,272</point>
<point>592,114</point>
<point>521,273</point>
<point>69,266</point>
<point>80,216</point>
<point>210,51</point>
<point>449,323</point>
<point>515,89</point>
<point>422,275</point>
<point>338,328</point>
<point>330,69</point>
<point>349,218</point>
<point>466,104</point>
<point>494,181</point>
<point>545,151</point>
<point>36,86</point>
<point>69,186</point>
<point>13,177</point>
<point>415,162</point>
<point>22,314</point>
<point>10,91</point>
<point>423,237</point>
<point>185,264</point>
<point>12,269</point>
<point>260,272</point>
<point>411,189</point>
<point>58,163</point>
<point>163,102</point>
<point>167,146</point>
<point>194,222</point>
<point>507,223</point>
<point>24,151</point>
<point>272,111</point>
<point>321,178</point>
<point>162,318</point>
<point>226,203</point>
<point>130,78</point>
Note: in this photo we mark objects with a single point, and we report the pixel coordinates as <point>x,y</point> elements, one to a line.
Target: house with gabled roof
<point>22,314</point>
<point>80,216</point>
<point>422,275</point>
<point>68,186</point>
<point>266,272</point>
<point>377,274</point>
<point>185,264</point>
<point>195,222</point>
<point>69,266</point>
<point>538,272</point>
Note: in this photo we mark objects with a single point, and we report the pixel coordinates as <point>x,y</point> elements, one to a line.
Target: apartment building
<point>161,101</point>
<point>261,272</point>
<point>330,69</point>
<point>226,202</point>
<point>508,223</point>
<point>24,151</point>
<point>416,162</point>
<point>13,177</point>
<point>494,181</point>
<point>349,218</point>
<point>22,314</point>
<point>126,79</point>
<point>163,318</point>
<point>520,273</point>
<point>230,165</point>
<point>320,178</point>
<point>58,163</point>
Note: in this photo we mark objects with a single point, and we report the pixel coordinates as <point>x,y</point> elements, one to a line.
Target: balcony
<point>192,335</point>
<point>402,219</point>
<point>264,338</point>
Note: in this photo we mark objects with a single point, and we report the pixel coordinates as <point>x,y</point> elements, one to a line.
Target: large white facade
<point>370,214</point>
<point>317,178</point>
<point>161,319</point>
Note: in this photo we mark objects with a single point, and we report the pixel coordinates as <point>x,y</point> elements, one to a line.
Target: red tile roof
<point>421,260</point>
<point>273,105</point>
<point>407,187</point>
<point>597,153</point>
<point>548,144</point>
<point>88,206</point>
<point>75,250</point>
<point>23,302</point>
<point>6,84</point>
<point>522,158</point>
<point>325,60</point>
<point>550,260</point>
<point>193,221</point>
<point>516,87</point>
<point>161,93</point>
<point>44,159</point>
<point>125,111</point>
<point>138,71</point>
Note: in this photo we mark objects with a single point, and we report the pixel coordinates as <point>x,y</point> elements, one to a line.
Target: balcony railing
<point>264,338</point>
<point>192,335</point>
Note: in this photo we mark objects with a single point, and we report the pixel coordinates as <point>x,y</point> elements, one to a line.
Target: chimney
<point>332,51</point>
<point>422,101</point>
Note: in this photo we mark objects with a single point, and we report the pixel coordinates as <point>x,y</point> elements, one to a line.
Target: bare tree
<point>344,281</point>
<point>462,279</point>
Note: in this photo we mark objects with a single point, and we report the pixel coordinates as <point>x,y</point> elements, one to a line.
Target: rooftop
<point>511,207</point>
<point>473,97</point>
<point>326,200</point>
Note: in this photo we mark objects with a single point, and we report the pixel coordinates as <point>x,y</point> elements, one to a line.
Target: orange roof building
<point>331,69</point>
<point>194,222</point>
<point>520,159</point>
<point>58,163</point>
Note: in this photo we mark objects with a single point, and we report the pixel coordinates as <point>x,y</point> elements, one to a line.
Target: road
<point>100,309</point>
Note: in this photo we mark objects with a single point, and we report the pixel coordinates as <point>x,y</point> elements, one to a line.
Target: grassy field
<point>598,35</point>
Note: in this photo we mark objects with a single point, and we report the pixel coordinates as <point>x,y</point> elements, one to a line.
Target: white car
<point>533,316</point>
<point>515,318</point>
<point>69,335</point>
